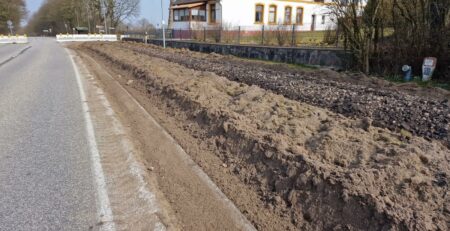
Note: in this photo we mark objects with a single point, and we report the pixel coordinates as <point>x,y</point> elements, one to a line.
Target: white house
<point>304,14</point>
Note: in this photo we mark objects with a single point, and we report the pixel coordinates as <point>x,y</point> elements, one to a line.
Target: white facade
<point>243,13</point>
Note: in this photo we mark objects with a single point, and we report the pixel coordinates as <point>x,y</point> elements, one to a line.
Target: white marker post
<point>162,24</point>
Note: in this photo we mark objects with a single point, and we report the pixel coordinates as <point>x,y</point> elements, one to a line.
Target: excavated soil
<point>423,112</point>
<point>315,169</point>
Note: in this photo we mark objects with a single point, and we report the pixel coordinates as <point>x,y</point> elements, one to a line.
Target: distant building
<point>305,14</point>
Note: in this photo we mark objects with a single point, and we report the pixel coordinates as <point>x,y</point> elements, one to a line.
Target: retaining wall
<point>327,57</point>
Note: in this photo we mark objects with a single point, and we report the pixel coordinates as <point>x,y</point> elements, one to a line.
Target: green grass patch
<point>290,65</point>
<point>303,66</point>
<point>418,81</point>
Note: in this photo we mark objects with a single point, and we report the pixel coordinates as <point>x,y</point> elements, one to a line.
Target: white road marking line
<point>104,206</point>
<point>135,168</point>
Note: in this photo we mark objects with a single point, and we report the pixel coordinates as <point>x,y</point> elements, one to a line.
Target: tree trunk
<point>366,57</point>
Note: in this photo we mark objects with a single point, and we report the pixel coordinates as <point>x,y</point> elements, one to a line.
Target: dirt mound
<point>422,112</point>
<point>323,170</point>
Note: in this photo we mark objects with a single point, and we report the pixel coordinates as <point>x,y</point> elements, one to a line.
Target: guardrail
<point>13,39</point>
<point>86,37</point>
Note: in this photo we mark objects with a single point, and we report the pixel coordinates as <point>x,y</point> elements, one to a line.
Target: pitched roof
<point>178,2</point>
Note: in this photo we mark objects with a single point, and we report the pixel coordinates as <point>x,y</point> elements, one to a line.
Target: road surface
<point>9,51</point>
<point>45,169</point>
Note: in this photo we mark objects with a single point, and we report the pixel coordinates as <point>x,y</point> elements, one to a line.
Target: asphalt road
<point>46,180</point>
<point>9,50</point>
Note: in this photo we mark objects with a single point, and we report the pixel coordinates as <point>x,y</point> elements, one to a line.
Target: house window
<point>186,15</point>
<point>273,14</point>
<point>212,13</point>
<point>299,16</point>
<point>199,14</point>
<point>176,15</point>
<point>287,15</point>
<point>259,14</point>
<point>323,19</point>
<point>181,15</point>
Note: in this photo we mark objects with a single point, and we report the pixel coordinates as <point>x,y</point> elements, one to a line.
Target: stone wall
<point>326,57</point>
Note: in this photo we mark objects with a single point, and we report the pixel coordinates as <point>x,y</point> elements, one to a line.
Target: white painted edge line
<point>188,160</point>
<point>103,205</point>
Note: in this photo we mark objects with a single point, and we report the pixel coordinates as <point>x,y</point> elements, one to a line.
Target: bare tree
<point>57,14</point>
<point>119,10</point>
<point>143,25</point>
<point>358,21</point>
<point>13,10</point>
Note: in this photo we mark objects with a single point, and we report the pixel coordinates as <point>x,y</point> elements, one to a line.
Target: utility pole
<point>104,15</point>
<point>162,24</point>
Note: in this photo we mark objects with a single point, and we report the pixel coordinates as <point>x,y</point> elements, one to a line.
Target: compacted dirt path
<point>283,163</point>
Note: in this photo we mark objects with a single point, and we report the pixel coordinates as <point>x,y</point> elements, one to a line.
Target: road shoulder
<point>193,197</point>
<point>132,194</point>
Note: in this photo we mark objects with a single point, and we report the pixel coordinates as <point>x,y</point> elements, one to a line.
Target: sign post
<point>10,26</point>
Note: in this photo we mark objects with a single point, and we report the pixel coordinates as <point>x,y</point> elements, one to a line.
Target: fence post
<point>220,33</point>
<point>262,35</point>
<point>204,34</point>
<point>239,35</point>
<point>145,38</point>
<point>294,43</point>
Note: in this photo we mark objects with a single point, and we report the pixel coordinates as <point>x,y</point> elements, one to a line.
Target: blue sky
<point>150,9</point>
